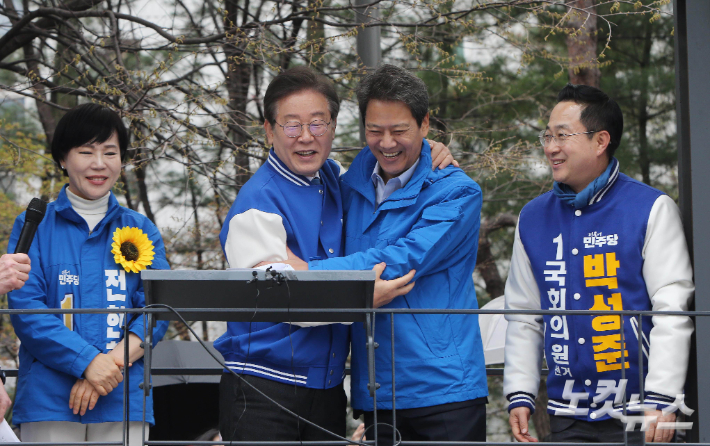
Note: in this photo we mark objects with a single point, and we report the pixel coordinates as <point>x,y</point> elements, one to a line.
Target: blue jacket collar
<point>359,175</point>
<point>64,208</point>
<point>281,169</point>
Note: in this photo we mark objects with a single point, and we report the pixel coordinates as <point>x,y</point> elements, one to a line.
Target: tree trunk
<point>582,43</point>
<point>198,235</point>
<point>141,166</point>
<point>239,70</point>
<point>46,118</point>
<point>487,267</point>
<point>485,262</point>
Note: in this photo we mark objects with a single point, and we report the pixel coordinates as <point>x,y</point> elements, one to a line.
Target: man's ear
<point>601,141</point>
<point>269,132</point>
<point>425,125</point>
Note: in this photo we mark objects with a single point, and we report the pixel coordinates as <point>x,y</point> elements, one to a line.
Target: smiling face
<point>393,136</point>
<point>579,160</point>
<point>93,168</point>
<point>304,154</point>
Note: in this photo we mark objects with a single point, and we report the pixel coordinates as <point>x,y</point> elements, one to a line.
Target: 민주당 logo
<point>132,249</point>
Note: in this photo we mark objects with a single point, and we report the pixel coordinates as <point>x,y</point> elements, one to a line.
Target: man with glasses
<point>599,241</point>
<point>293,202</point>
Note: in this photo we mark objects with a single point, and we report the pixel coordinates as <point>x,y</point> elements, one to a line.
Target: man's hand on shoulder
<point>441,156</point>
<point>387,290</point>
<point>14,272</point>
<point>519,420</point>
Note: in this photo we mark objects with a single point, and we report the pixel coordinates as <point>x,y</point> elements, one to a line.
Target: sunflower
<point>132,249</point>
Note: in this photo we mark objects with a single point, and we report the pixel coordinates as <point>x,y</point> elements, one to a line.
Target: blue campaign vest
<point>591,259</point>
<point>312,215</point>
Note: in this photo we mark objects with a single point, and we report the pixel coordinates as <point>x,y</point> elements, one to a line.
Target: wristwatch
<point>3,378</point>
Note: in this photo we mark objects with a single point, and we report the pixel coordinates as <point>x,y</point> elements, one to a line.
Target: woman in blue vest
<point>87,253</point>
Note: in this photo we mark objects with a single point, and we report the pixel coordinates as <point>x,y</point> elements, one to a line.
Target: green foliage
<point>641,77</point>
<point>490,109</point>
<point>21,162</point>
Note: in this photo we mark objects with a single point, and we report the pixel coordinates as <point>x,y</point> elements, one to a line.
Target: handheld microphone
<point>33,217</point>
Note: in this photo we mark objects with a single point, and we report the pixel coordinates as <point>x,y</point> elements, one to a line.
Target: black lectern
<point>262,296</point>
<point>258,296</point>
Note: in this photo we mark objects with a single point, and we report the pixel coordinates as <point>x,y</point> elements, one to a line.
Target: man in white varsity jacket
<point>599,241</point>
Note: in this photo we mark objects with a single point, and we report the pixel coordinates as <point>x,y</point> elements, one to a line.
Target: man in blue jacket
<point>293,202</point>
<point>599,241</point>
<point>401,213</point>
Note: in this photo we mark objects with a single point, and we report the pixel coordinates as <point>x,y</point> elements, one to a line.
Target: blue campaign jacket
<point>74,268</point>
<point>591,259</point>
<point>311,357</point>
<point>430,225</point>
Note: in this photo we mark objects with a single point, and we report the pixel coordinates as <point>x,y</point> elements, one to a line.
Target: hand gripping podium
<point>262,296</point>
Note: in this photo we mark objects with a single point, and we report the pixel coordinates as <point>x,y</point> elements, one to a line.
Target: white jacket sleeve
<point>255,236</point>
<point>669,281</point>
<point>524,338</point>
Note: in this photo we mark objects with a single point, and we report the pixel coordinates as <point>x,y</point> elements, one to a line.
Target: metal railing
<point>640,314</point>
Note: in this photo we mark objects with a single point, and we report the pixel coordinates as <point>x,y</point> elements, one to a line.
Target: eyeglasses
<point>560,138</point>
<point>293,129</point>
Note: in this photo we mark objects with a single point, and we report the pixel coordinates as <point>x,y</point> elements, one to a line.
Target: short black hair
<point>87,124</point>
<point>394,84</point>
<point>295,80</point>
<point>600,112</point>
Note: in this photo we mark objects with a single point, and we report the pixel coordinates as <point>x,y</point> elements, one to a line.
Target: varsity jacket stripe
<point>612,179</point>
<point>521,399</point>
<point>241,367</point>
<point>284,172</point>
<point>235,365</point>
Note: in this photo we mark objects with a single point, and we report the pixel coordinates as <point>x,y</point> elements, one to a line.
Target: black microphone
<point>33,217</point>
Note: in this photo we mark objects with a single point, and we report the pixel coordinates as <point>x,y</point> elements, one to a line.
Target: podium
<point>262,296</point>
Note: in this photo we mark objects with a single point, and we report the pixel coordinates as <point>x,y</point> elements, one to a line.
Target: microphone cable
<point>255,280</point>
<point>271,400</point>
